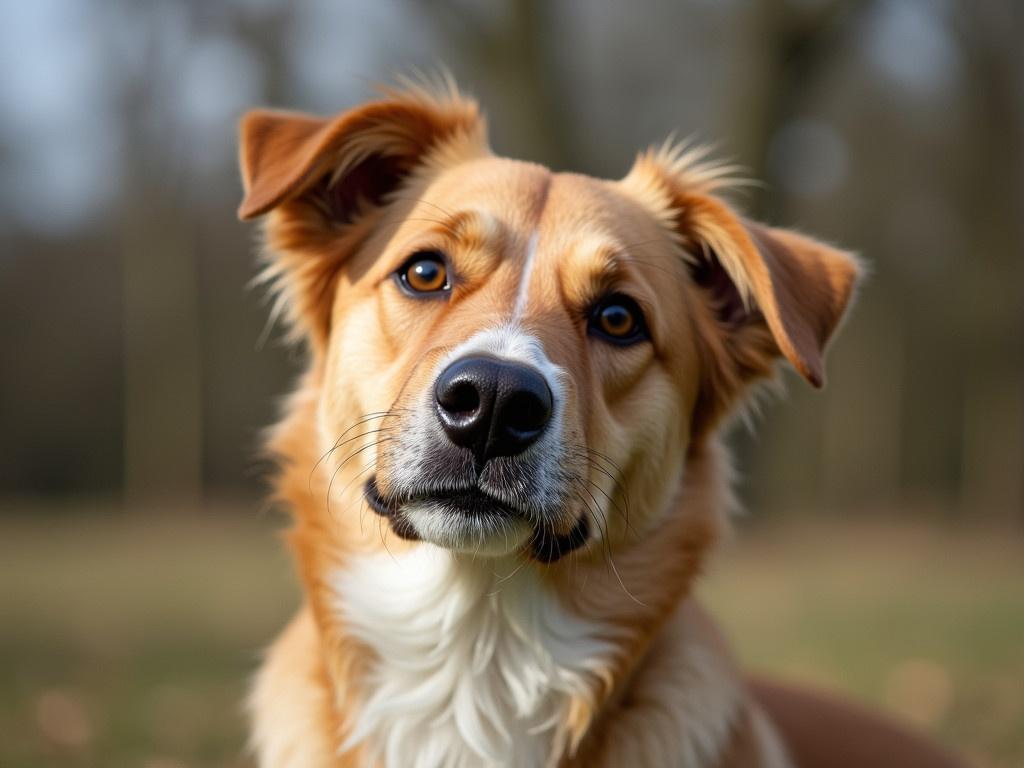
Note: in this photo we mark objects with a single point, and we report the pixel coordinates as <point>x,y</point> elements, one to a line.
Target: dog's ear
<point>321,178</point>
<point>757,275</point>
<point>361,153</point>
<point>768,291</point>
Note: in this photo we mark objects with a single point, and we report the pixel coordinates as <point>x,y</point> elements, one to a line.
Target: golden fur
<point>346,200</point>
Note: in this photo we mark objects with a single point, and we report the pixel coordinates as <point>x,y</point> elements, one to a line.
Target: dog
<point>504,461</point>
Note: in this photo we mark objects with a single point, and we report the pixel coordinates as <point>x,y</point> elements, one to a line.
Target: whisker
<point>349,458</point>
<point>611,560</point>
<point>522,562</point>
<point>611,500</point>
<point>410,198</point>
<point>363,507</point>
<point>355,477</point>
<point>398,221</point>
<point>361,420</point>
<point>652,265</point>
<point>640,243</point>
<point>356,437</point>
<point>609,463</point>
<point>621,490</point>
<point>614,478</point>
<point>620,486</point>
<point>383,531</point>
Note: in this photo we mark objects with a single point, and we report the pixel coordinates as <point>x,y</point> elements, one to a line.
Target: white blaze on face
<point>524,280</point>
<point>510,341</point>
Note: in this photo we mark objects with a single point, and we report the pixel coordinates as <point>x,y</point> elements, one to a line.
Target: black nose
<point>493,407</point>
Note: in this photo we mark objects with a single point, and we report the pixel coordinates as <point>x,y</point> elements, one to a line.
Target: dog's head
<point>507,359</point>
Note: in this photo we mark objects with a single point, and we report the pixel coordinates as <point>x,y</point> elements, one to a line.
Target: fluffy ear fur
<point>768,291</point>
<point>323,179</point>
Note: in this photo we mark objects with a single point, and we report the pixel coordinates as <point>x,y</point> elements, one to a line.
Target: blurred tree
<point>163,407</point>
<point>506,48</point>
<point>990,192</point>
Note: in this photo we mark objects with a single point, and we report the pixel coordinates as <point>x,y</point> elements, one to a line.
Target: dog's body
<point>503,462</point>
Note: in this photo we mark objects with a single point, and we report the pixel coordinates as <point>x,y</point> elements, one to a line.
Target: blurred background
<point>883,550</point>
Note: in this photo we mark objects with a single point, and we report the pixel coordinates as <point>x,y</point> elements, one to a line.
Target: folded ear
<point>795,285</point>
<point>322,177</point>
<point>277,151</point>
<point>362,152</point>
<point>754,278</point>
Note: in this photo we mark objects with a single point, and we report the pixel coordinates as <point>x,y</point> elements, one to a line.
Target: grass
<point>127,641</point>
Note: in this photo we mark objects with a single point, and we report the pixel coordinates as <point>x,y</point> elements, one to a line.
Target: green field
<point>126,641</point>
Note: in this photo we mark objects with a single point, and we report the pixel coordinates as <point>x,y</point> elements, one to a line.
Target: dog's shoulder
<point>686,698</point>
<point>290,702</point>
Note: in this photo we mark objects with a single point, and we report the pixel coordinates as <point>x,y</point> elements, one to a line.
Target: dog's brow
<point>593,265</point>
<point>472,224</point>
<point>602,261</point>
<point>472,228</point>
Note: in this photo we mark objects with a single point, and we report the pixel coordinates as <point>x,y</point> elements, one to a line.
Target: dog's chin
<point>476,530</point>
<point>468,522</point>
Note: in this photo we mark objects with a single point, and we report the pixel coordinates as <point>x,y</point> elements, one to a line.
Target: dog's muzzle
<point>485,463</point>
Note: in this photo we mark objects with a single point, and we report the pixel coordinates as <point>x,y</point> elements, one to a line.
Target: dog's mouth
<point>465,519</point>
<point>471,503</point>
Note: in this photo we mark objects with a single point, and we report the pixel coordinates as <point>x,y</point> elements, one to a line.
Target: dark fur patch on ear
<point>367,184</point>
<point>723,296</point>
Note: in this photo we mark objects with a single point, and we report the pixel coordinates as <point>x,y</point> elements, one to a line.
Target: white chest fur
<point>475,667</point>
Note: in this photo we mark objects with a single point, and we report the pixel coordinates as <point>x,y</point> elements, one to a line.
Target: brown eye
<point>618,319</point>
<point>425,272</point>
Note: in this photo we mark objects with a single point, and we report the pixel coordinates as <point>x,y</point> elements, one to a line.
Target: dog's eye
<point>618,319</point>
<point>424,273</point>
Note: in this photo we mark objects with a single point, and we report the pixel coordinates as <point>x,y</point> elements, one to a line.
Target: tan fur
<point>349,198</point>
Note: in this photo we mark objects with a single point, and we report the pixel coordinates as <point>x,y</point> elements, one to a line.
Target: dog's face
<point>528,356</point>
<point>509,360</point>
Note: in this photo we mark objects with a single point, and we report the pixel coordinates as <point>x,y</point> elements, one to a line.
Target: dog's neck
<point>477,662</point>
